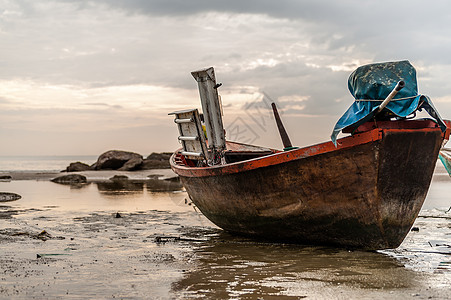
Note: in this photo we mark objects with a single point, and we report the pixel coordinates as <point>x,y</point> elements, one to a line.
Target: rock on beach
<point>118,160</point>
<point>71,178</point>
<point>157,161</point>
<point>4,196</point>
<point>78,167</point>
<point>124,161</point>
<point>5,178</point>
<point>119,178</point>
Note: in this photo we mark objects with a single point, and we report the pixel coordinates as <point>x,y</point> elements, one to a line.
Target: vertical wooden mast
<point>283,133</point>
<point>211,108</point>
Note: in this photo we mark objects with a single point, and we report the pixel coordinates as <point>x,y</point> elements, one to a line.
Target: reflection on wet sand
<point>229,267</point>
<point>130,187</point>
<point>110,183</point>
<point>6,212</point>
<point>119,187</point>
<point>164,185</point>
<point>76,186</point>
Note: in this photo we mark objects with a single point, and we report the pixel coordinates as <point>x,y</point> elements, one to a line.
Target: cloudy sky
<point>83,77</point>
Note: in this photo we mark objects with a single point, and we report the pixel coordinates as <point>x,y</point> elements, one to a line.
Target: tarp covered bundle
<point>371,84</point>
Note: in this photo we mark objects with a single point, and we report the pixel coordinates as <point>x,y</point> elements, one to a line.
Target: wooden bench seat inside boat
<point>238,152</point>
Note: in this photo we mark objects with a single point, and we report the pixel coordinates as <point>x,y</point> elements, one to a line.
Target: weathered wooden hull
<point>365,193</point>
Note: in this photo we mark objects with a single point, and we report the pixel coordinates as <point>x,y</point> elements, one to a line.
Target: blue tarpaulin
<point>371,84</point>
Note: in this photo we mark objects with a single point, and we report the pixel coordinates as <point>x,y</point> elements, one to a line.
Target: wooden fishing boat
<point>445,157</point>
<point>364,192</point>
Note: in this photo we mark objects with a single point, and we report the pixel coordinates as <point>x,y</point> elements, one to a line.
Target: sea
<point>144,239</point>
<point>44,163</point>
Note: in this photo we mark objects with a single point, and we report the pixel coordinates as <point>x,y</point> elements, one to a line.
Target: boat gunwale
<point>286,156</point>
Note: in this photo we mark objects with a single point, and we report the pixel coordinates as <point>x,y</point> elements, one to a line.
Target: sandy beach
<point>142,239</point>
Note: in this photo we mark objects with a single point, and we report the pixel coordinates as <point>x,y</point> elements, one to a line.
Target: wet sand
<point>142,239</point>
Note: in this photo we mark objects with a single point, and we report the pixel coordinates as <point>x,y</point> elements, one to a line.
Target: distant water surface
<point>42,163</point>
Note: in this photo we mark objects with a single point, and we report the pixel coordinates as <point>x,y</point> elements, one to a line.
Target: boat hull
<point>365,194</point>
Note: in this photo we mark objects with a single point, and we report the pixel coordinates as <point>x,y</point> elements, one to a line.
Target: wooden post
<point>211,108</point>
<point>283,133</point>
<point>390,96</point>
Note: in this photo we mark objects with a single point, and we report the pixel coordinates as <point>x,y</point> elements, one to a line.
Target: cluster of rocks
<point>124,161</point>
<point>154,183</point>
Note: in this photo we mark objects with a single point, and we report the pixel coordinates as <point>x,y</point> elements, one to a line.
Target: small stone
<point>68,179</point>
<point>5,197</point>
<point>119,178</point>
<point>78,167</point>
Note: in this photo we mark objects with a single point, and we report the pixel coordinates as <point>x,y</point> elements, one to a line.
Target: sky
<point>83,77</point>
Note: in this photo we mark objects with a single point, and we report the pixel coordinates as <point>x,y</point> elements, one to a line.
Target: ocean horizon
<point>42,163</point>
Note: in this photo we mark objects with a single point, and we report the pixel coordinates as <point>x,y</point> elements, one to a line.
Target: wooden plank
<point>211,108</point>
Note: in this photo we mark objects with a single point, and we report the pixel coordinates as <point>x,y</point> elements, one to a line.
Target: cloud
<point>103,105</point>
<point>4,100</point>
<point>133,58</point>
